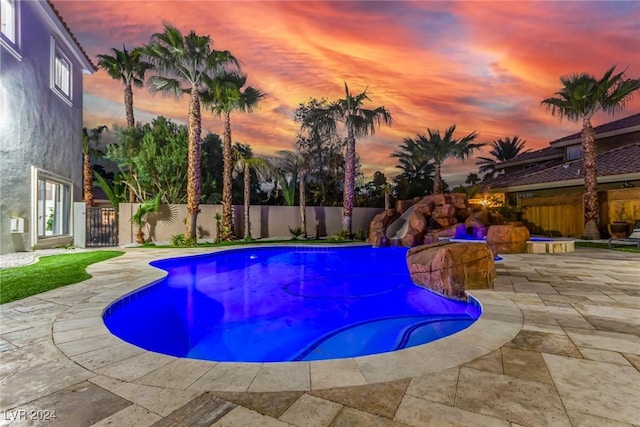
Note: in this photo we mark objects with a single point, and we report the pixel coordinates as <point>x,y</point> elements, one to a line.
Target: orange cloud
<point>484,66</point>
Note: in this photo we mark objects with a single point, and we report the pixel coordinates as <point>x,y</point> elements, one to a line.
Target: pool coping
<point>80,334</point>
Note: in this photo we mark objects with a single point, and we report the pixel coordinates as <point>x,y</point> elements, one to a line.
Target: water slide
<point>398,228</point>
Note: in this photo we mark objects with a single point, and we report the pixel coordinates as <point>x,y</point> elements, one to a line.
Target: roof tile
<point>625,122</point>
<point>621,160</point>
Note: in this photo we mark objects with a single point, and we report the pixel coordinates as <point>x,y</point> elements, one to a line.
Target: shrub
<point>295,233</point>
<point>360,235</point>
<point>179,241</point>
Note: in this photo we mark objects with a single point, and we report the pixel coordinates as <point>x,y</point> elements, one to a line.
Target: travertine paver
<point>418,412</point>
<point>510,398</point>
<point>131,416</point>
<point>558,345</point>
<point>177,375</point>
<point>81,404</point>
<point>282,377</point>
<point>310,411</point>
<point>325,372</point>
<point>227,377</point>
<point>439,387</point>
<point>243,417</point>
<point>579,392</point>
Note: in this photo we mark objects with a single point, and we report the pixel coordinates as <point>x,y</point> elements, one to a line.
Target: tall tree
<point>359,122</point>
<point>472,179</point>
<point>294,167</point>
<point>156,152</point>
<point>187,64</point>
<point>439,148</point>
<point>325,152</point>
<point>417,169</point>
<point>581,96</point>
<point>245,162</point>
<point>502,150</point>
<point>90,139</point>
<point>225,94</point>
<point>128,67</point>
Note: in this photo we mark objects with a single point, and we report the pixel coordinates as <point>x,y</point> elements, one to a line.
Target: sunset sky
<point>484,66</point>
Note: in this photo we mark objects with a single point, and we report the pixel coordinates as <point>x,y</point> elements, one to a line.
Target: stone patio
<point>558,344</point>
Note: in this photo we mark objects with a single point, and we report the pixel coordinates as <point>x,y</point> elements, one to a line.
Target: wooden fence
<point>562,215</point>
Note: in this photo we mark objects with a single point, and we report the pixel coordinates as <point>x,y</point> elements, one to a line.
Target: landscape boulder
<point>449,268</point>
<point>379,225</point>
<point>508,239</point>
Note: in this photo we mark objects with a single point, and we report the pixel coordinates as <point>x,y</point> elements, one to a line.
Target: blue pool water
<point>286,304</point>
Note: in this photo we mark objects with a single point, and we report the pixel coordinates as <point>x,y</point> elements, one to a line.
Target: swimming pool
<point>274,304</point>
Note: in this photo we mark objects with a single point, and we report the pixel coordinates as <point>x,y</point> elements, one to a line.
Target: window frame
<point>571,154</point>
<point>62,205</point>
<point>12,43</point>
<point>58,55</point>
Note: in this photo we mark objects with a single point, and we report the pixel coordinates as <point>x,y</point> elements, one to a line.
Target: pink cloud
<point>484,66</point>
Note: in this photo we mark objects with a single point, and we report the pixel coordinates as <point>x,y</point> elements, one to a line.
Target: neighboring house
<point>41,71</point>
<point>554,175</point>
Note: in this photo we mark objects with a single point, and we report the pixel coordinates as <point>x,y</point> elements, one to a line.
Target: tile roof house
<point>41,86</point>
<point>557,171</point>
<point>560,164</point>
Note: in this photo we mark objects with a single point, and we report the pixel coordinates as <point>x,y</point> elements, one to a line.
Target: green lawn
<point>48,273</point>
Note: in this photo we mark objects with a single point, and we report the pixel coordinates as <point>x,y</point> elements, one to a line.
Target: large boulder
<point>412,238</point>
<point>508,239</point>
<point>432,215</point>
<point>378,226</point>
<point>450,268</point>
<point>459,200</point>
<point>417,221</point>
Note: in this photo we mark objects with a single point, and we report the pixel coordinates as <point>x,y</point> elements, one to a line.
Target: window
<point>8,19</point>
<point>54,207</point>
<point>574,152</point>
<point>60,73</point>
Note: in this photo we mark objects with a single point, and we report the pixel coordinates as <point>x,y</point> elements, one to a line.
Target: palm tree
<point>129,67</point>
<point>360,122</point>
<point>502,150</point>
<point>417,168</point>
<point>186,64</point>
<point>140,217</point>
<point>581,96</point>
<point>246,162</point>
<point>439,148</point>
<point>472,179</point>
<point>224,95</point>
<point>89,139</point>
<point>297,164</point>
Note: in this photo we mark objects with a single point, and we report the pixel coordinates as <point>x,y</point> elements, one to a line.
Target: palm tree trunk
<point>128,105</point>
<point>247,195</point>
<point>386,198</point>
<point>131,122</point>
<point>591,208</point>
<point>303,204</point>
<point>193,166</point>
<point>349,183</point>
<point>87,180</point>
<point>437,181</point>
<point>227,171</point>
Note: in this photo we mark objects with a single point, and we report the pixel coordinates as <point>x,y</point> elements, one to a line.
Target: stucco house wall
<point>40,130</point>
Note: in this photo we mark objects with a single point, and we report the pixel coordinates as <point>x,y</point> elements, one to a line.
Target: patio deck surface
<point>558,344</point>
